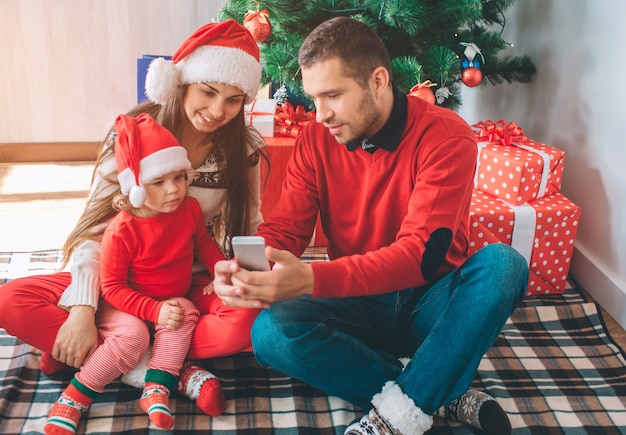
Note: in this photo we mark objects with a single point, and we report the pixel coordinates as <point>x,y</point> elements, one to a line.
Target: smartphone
<point>250,252</point>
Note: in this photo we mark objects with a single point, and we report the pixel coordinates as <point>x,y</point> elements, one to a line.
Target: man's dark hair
<point>354,43</point>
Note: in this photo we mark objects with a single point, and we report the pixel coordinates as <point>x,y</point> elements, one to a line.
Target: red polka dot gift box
<point>542,230</point>
<point>513,167</point>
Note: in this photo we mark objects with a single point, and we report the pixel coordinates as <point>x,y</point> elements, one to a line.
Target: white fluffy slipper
<point>400,410</point>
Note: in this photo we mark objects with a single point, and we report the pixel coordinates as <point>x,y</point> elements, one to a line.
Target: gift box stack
<point>279,124</point>
<point>517,201</point>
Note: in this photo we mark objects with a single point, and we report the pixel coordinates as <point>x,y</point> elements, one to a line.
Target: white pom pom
<point>137,196</point>
<point>161,80</point>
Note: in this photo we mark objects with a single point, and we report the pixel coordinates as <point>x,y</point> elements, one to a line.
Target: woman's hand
<point>171,314</point>
<point>77,337</point>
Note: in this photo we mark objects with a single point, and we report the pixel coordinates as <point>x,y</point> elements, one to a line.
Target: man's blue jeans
<point>349,347</point>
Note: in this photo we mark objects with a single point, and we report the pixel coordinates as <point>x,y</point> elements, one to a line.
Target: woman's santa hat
<point>144,151</point>
<point>222,52</point>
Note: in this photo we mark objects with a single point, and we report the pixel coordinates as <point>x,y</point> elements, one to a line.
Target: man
<point>391,177</point>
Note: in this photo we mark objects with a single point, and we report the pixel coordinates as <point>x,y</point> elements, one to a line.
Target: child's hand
<point>208,290</point>
<point>171,314</point>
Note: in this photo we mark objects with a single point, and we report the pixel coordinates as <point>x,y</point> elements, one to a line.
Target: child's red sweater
<point>148,260</point>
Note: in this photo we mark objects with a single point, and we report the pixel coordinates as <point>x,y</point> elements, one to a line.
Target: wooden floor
<point>41,202</point>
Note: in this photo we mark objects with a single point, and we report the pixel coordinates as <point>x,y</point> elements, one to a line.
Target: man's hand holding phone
<point>247,281</point>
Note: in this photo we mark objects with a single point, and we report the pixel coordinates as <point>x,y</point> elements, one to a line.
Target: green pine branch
<point>423,38</point>
<point>509,69</point>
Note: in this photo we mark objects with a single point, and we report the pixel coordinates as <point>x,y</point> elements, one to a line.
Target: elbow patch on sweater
<point>436,249</point>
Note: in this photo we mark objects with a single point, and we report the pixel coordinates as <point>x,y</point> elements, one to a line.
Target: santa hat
<point>222,52</point>
<point>145,150</point>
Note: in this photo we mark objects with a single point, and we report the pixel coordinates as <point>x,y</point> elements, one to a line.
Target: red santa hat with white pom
<point>144,151</point>
<point>222,52</point>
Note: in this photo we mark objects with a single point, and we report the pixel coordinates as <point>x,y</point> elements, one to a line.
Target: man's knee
<point>260,334</point>
<point>503,262</point>
<point>268,338</point>
<point>506,278</point>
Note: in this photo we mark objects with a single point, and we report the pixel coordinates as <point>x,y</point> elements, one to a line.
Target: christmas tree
<point>439,45</point>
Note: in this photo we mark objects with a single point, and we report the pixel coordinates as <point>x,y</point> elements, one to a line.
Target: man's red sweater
<point>394,219</point>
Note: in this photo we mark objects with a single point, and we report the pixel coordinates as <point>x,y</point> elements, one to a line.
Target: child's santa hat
<point>222,52</point>
<point>145,150</point>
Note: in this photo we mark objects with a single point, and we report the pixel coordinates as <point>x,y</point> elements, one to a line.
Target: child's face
<point>164,194</point>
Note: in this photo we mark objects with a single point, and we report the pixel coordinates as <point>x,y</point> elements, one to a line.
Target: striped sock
<point>67,410</point>
<point>155,401</point>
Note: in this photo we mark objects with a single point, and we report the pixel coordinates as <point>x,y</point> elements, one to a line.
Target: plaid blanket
<point>554,369</point>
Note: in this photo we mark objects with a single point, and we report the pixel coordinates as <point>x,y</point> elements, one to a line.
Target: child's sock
<point>155,401</point>
<point>67,410</point>
<point>202,386</point>
<point>49,366</point>
<point>478,410</point>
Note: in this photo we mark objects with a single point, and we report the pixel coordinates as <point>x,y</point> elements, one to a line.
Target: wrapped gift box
<point>543,231</point>
<point>291,120</point>
<point>279,150</point>
<point>513,167</point>
<point>142,68</point>
<point>260,114</point>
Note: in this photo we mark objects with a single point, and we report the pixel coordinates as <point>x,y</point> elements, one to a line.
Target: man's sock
<point>49,366</point>
<point>67,410</point>
<point>371,424</point>
<point>155,401</point>
<point>394,413</point>
<point>479,410</point>
<point>198,384</point>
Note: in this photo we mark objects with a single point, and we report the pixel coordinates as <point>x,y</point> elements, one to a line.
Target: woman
<point>199,97</point>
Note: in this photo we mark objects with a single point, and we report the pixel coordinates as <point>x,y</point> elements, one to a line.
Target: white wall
<point>575,103</point>
<point>68,66</point>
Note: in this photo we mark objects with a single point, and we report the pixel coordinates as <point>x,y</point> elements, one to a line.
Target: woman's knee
<point>24,299</point>
<point>7,300</point>
<point>33,290</point>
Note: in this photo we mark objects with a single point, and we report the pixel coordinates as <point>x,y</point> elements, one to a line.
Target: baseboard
<point>589,273</point>
<point>48,152</point>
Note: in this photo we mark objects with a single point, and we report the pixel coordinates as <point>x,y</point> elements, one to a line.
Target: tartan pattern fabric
<point>18,264</point>
<point>554,369</point>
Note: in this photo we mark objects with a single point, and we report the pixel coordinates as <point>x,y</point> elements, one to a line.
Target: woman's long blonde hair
<point>234,141</point>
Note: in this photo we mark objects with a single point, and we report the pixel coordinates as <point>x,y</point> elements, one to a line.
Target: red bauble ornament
<point>258,24</point>
<point>423,91</point>
<point>471,77</point>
